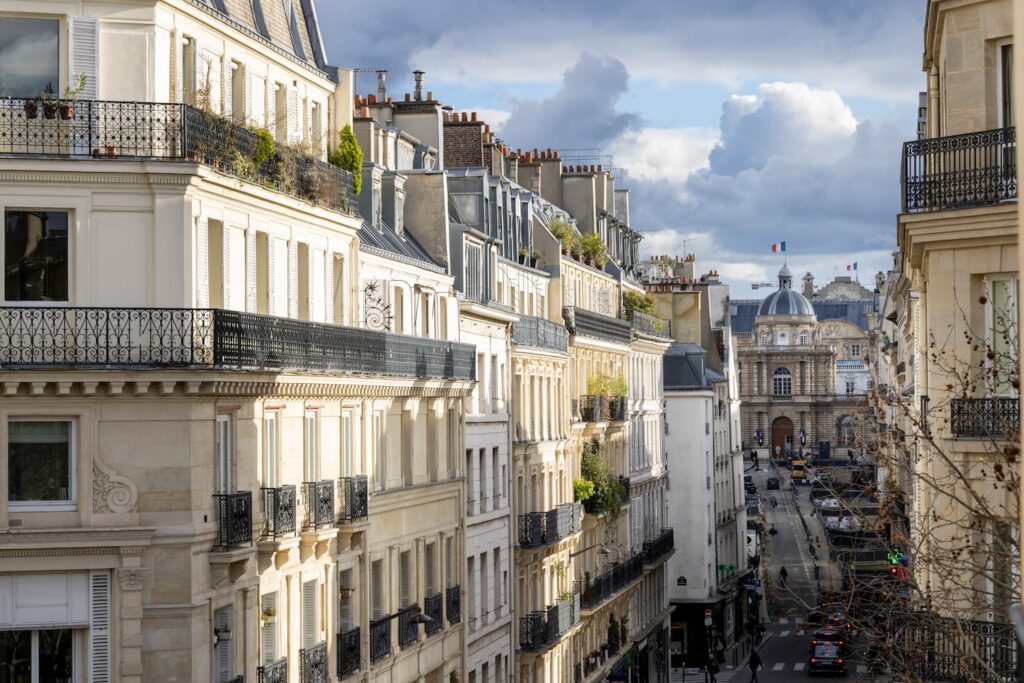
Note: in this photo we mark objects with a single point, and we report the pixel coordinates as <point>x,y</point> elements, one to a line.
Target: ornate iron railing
<point>611,581</point>
<point>93,129</point>
<point>234,519</point>
<point>318,498</point>
<point>580,321</point>
<point>349,652</point>
<point>540,333</point>
<point>625,484</point>
<point>277,672</point>
<point>532,631</point>
<point>659,547</point>
<point>649,324</point>
<point>562,616</point>
<point>380,639</point>
<point>354,496</point>
<point>595,408</point>
<point>313,664</point>
<point>214,338</point>
<point>279,508</point>
<point>433,607</point>
<point>453,605</point>
<point>984,417</point>
<point>959,171</point>
<point>617,408</point>
<point>408,630</point>
<point>542,528</point>
<point>935,648</point>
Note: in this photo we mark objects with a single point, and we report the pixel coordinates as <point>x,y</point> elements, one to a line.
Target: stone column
<point>130,579</point>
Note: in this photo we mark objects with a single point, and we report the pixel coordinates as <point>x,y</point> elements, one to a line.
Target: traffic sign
<point>707,614</point>
<point>707,621</point>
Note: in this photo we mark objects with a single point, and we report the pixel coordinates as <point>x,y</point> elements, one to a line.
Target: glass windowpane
<point>15,656</point>
<point>30,53</point>
<point>55,656</point>
<point>39,461</point>
<point>35,254</point>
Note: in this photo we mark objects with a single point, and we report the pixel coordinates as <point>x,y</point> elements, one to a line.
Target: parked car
<point>748,479</point>
<point>773,483</point>
<point>828,635</point>
<point>750,488</point>
<point>826,658</point>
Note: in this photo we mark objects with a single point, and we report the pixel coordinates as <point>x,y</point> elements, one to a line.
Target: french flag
<point>851,267</point>
<point>778,246</point>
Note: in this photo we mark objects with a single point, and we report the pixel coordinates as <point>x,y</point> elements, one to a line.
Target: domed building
<point>802,370</point>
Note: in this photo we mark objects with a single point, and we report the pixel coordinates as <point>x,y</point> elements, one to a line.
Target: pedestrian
<point>754,663</point>
<point>712,668</point>
<point>782,576</point>
<point>772,531</point>
<point>719,647</point>
<point>775,503</point>
<point>756,465</point>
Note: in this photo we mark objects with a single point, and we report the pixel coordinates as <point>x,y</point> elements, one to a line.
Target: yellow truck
<point>798,471</point>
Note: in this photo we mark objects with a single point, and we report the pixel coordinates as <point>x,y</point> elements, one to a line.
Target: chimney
<point>687,270</point>
<point>808,285</point>
<point>418,93</point>
<point>382,88</point>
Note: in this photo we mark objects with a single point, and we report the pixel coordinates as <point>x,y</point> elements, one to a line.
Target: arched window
<point>846,432</point>
<point>782,382</point>
<point>803,338</point>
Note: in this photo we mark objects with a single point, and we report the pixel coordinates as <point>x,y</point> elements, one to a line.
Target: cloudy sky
<point>734,123</point>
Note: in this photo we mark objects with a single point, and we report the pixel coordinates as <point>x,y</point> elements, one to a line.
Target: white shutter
<point>268,630</point>
<point>227,246</point>
<point>293,279</point>
<point>404,580</point>
<point>198,69</point>
<point>177,68</point>
<point>294,115</point>
<point>248,97</point>
<point>222,650</point>
<point>203,262</point>
<point>345,601</point>
<point>99,627</point>
<point>329,288</point>
<point>270,93</point>
<point>309,634</point>
<point>428,568</point>
<point>377,579</point>
<point>250,270</point>
<point>84,54</point>
<point>316,284</point>
<point>225,86</point>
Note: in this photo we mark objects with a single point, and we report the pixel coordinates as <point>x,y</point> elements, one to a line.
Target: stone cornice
<point>64,541</point>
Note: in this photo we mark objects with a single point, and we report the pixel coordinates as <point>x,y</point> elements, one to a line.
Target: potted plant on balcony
<point>592,247</point>
<point>49,103</point>
<point>66,108</point>
<point>534,257</point>
<point>31,108</point>
<point>524,255</point>
<point>582,489</point>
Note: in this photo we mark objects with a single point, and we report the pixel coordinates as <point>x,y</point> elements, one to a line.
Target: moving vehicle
<point>826,635</point>
<point>799,471</point>
<point>826,658</point>
<point>773,483</point>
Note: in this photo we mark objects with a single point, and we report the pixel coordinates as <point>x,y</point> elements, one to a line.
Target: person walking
<point>782,576</point>
<point>712,669</point>
<point>757,467</point>
<point>755,664</point>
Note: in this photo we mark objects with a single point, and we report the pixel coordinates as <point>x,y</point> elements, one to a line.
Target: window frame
<point>270,475</point>
<point>69,300</point>
<point>1001,89</point>
<point>224,470</point>
<point>62,46</point>
<point>70,505</point>
<point>990,281</point>
<point>79,652</point>
<point>785,375</point>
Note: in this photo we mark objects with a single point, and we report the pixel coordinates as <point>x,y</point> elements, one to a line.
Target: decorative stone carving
<point>111,493</point>
<point>131,579</point>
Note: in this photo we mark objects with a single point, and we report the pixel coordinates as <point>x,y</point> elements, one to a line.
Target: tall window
<point>223,655</point>
<point>311,460</point>
<point>35,255</point>
<point>30,53</point>
<point>224,451</point>
<point>270,449</point>
<point>40,463</point>
<point>346,621</point>
<point>851,387</point>
<point>346,444</point>
<point>782,382</point>
<point>377,589</point>
<point>310,631</point>
<point>377,442</point>
<point>803,338</point>
<point>766,337</point>
<point>404,579</point>
<point>1006,84</point>
<point>1002,316</point>
<point>268,628</point>
<point>855,350</point>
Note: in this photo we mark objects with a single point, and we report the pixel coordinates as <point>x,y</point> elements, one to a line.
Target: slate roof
<point>683,367</point>
<point>385,240</point>
<point>744,311</point>
<point>785,302</point>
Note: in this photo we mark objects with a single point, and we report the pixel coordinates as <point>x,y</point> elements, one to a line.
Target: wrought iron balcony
<point>94,129</point>
<point>532,631</point>
<point>313,664</point>
<point>66,337</point>
<point>234,519</point>
<point>652,325</point>
<point>318,497</point>
<point>625,484</point>
<point>539,333</point>
<point>453,604</point>
<point>279,508</point>
<point>901,368</point>
<point>537,529</point>
<point>433,607</point>
<point>582,322</point>
<point>611,581</point>
<point>984,417</point>
<point>562,616</point>
<point>959,171</point>
<point>354,496</point>
<point>595,408</point>
<point>660,547</point>
<point>617,408</point>
<point>349,652</point>
<point>408,630</point>
<point>276,672</point>
<point>380,639</point>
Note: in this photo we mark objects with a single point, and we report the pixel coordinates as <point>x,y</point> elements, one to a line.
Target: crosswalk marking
<point>783,634</point>
<point>862,669</point>
<point>799,666</point>
<point>783,620</point>
<point>778,666</point>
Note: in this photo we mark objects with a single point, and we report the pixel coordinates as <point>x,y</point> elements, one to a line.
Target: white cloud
<point>496,118</point>
<point>669,154</point>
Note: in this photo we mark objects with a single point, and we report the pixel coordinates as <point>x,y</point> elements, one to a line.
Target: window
<point>377,588</point>
<point>224,449</point>
<point>36,255</point>
<point>851,387</point>
<point>803,338</point>
<point>268,628</point>
<point>237,92</point>
<point>40,463</point>
<point>765,337</point>
<point>404,579</point>
<point>855,350</point>
<point>310,635</point>
<point>1002,315</point>
<point>38,656</point>
<point>495,474</point>
<point>377,437</point>
<point>270,449</point>
<point>346,622</point>
<point>30,53</point>
<point>429,569</point>
<point>346,444</point>
<point>782,382</point>
<point>188,70</point>
<point>223,658</point>
<point>1005,84</point>
<point>311,470</point>
<point>467,206</point>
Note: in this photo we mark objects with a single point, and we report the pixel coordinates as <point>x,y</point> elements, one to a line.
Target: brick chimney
<point>464,139</point>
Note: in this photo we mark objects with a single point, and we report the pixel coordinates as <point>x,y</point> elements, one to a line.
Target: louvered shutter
<point>83,53</point>
<point>404,580</point>
<point>177,68</point>
<point>225,86</point>
<point>428,569</point>
<point>203,262</point>
<point>377,579</point>
<point>329,288</point>
<point>198,67</point>
<point>268,631</point>
<point>293,279</point>
<point>250,270</point>
<point>294,115</point>
<point>273,262</point>
<point>248,109</point>
<point>227,246</point>
<point>270,93</point>
<point>99,627</point>
<point>309,634</point>
<point>222,651</point>
<point>345,601</point>
<point>316,284</point>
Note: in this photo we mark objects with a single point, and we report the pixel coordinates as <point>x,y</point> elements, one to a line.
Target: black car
<point>773,483</point>
<point>826,658</point>
<point>827,635</point>
<point>750,488</point>
<point>748,479</point>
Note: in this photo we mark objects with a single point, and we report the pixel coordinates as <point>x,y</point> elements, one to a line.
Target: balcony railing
<point>532,631</point>
<point>595,408</point>
<point>611,581</point>
<point>541,628</point>
<point>580,321</point>
<point>279,507</point>
<point>453,604</point>
<point>408,630</point>
<point>433,607</point>
<point>984,417</point>
<point>212,338</point>
<point>276,672</point>
<point>649,324</point>
<point>660,547</point>
<point>354,496</point>
<point>617,408</point>
<point>380,639</point>
<point>349,653</point>
<point>313,664</point>
<point>901,368</point>
<point>318,497</point>
<point>540,333</point>
<point>234,519</point>
<point>543,528</point>
<point>92,129</point>
<point>960,171</point>
<point>625,484</point>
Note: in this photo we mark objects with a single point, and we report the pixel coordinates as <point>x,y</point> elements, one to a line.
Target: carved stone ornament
<point>131,579</point>
<point>111,492</point>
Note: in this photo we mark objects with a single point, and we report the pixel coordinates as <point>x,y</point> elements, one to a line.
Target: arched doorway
<point>782,436</point>
<point>846,431</point>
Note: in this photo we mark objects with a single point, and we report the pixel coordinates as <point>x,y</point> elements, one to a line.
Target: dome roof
<point>785,302</point>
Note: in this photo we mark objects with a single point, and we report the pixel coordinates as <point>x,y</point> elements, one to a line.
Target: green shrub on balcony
<point>604,385</point>
<point>348,156</point>
<point>582,489</point>
<point>643,303</point>
<point>608,491</point>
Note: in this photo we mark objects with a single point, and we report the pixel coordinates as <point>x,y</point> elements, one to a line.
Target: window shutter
<point>177,69</point>
<point>316,284</point>
<point>99,627</point>
<point>247,104</point>
<point>405,595</point>
<point>268,632</point>
<point>250,270</point>
<point>203,262</point>
<point>345,602</point>
<point>227,246</point>
<point>294,121</point>
<point>309,634</point>
<point>83,53</point>
<point>428,569</point>
<point>222,651</point>
<point>225,86</point>
<point>293,279</point>
<point>270,92</point>
<point>378,588</point>
<point>199,69</point>
<point>329,285</point>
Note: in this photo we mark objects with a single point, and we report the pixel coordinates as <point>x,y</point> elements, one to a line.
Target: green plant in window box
<point>66,108</point>
<point>582,489</point>
<point>592,247</point>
